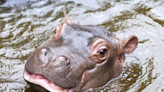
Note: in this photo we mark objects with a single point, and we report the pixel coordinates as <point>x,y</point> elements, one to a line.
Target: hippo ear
<point>129,44</point>
<point>67,19</point>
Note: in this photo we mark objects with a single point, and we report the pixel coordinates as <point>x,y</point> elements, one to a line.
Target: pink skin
<point>44,82</point>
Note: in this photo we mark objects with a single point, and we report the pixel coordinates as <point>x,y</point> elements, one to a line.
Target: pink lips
<point>43,81</point>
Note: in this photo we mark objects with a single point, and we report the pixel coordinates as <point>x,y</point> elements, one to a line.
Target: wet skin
<point>77,58</point>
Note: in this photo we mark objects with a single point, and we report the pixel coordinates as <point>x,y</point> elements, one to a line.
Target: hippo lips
<point>44,82</point>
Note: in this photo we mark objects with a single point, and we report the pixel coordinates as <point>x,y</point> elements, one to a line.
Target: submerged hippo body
<point>77,58</point>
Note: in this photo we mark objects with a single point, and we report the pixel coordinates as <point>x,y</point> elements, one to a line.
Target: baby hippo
<point>77,58</point>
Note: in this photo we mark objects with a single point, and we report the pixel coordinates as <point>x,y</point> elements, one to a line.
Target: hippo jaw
<point>43,82</point>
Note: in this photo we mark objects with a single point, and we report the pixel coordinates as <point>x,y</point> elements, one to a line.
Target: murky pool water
<point>23,27</point>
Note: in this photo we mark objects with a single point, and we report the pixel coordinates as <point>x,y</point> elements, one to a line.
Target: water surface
<point>24,27</point>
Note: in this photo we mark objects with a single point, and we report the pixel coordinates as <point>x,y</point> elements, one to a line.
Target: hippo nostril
<point>44,51</point>
<point>61,58</point>
<point>67,62</point>
<point>43,55</point>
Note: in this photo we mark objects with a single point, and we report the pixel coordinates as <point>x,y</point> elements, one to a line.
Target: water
<point>25,27</point>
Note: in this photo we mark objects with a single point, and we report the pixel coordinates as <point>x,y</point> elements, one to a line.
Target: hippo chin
<point>77,58</point>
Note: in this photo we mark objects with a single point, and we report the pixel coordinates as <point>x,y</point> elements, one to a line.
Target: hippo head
<point>77,58</point>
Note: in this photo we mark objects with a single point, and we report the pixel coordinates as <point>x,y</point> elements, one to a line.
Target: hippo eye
<point>102,51</point>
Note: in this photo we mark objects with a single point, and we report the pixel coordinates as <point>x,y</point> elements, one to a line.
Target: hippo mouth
<point>43,81</point>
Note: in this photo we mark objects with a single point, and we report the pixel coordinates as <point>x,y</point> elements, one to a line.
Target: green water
<point>25,27</point>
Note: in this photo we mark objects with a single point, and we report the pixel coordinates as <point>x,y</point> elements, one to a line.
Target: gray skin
<point>80,57</point>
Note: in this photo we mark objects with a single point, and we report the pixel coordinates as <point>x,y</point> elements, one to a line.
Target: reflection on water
<point>26,26</point>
